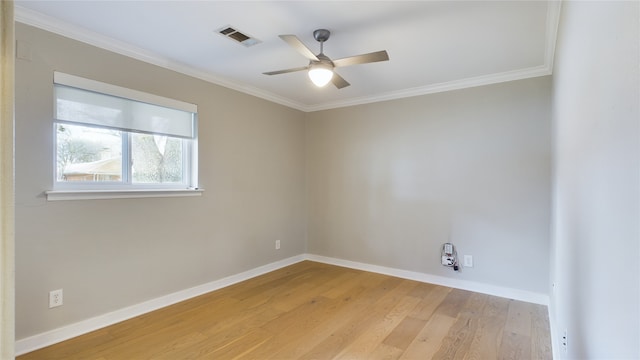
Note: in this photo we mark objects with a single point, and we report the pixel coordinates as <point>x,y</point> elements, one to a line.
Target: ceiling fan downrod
<point>321,35</point>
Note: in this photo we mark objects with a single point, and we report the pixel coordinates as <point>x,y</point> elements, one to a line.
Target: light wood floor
<point>317,311</point>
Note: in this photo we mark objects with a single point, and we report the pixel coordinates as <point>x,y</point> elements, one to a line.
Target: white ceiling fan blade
<point>286,71</point>
<point>299,46</point>
<point>338,81</point>
<point>362,59</point>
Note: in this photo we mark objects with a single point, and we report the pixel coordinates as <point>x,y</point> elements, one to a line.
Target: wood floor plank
<point>223,319</point>
<point>362,346</point>
<point>519,318</point>
<point>430,303</point>
<point>265,291</point>
<point>240,346</point>
<point>422,290</point>
<point>345,334</point>
<point>311,310</point>
<point>360,278</point>
<point>342,311</point>
<point>459,339</point>
<point>335,280</point>
<point>354,294</point>
<point>429,340</point>
<point>293,327</point>
<point>177,346</point>
<point>514,347</point>
<point>488,336</point>
<point>540,337</point>
<point>404,333</point>
<point>453,302</point>
<point>385,352</point>
<point>219,336</point>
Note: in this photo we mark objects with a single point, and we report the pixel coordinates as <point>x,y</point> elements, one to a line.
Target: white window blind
<point>83,101</point>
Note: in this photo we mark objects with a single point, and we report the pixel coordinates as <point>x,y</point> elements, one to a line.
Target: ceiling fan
<point>321,66</point>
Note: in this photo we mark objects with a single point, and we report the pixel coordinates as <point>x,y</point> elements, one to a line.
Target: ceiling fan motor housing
<point>321,35</point>
<point>322,60</point>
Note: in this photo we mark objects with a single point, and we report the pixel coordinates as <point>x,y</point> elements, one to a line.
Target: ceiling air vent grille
<point>237,36</point>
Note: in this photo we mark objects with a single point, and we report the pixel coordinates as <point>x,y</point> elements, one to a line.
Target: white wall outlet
<point>55,298</point>
<point>564,341</point>
<point>277,244</point>
<point>468,261</point>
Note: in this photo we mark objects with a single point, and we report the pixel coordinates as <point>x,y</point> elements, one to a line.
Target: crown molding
<point>537,71</point>
<point>56,26</point>
<point>551,34</point>
<point>553,21</point>
<point>53,25</point>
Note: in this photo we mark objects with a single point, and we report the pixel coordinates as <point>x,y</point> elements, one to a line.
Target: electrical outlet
<point>468,261</point>
<point>55,298</point>
<point>277,244</point>
<point>564,341</point>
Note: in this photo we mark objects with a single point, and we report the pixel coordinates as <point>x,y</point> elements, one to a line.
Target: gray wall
<point>389,182</point>
<point>109,254</point>
<point>596,236</point>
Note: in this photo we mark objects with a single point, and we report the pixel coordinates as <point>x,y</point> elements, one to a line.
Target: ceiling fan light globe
<point>320,76</point>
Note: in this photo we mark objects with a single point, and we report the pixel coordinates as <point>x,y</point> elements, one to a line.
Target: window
<point>112,138</point>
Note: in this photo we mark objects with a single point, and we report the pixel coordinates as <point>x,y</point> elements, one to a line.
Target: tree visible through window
<point>88,154</point>
<point>156,159</point>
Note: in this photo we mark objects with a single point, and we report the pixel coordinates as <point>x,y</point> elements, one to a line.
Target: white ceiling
<point>433,45</point>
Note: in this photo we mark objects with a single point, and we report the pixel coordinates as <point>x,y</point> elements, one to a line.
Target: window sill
<point>57,195</point>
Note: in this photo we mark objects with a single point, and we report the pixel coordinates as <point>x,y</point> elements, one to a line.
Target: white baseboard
<point>51,337</point>
<point>501,291</point>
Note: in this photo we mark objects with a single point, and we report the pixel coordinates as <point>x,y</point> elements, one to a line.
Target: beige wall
<point>389,182</point>
<point>109,254</point>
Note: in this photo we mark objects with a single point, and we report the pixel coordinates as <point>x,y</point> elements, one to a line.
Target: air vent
<point>237,36</point>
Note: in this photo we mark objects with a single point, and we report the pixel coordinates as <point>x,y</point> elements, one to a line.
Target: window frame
<point>71,190</point>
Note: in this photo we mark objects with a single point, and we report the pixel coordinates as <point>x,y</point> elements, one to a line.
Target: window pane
<point>156,159</point>
<point>88,154</point>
